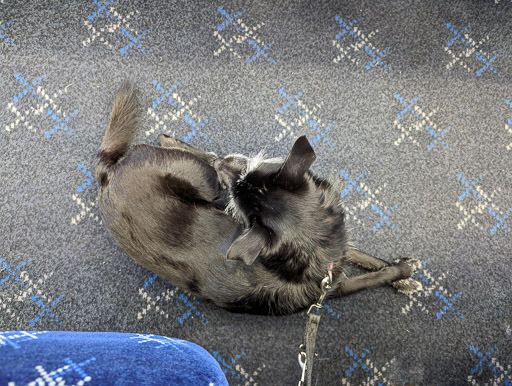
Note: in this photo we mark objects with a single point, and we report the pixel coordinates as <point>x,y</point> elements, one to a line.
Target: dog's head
<point>269,198</point>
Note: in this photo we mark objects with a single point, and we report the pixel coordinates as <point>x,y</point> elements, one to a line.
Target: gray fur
<point>255,238</point>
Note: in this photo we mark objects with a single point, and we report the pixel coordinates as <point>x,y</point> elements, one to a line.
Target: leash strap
<point>310,339</point>
<point>306,358</point>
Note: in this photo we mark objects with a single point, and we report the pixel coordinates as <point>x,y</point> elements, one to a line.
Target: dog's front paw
<point>408,266</point>
<point>173,143</point>
<point>407,286</point>
<point>167,141</point>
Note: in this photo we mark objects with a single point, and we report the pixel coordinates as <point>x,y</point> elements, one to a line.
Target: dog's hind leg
<point>397,274</point>
<point>365,260</point>
<point>166,141</point>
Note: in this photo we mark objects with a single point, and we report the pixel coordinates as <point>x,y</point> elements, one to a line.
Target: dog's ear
<point>249,244</point>
<point>296,164</point>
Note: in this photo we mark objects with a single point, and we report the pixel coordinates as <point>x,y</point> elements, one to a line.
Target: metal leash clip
<point>303,363</point>
<point>325,285</point>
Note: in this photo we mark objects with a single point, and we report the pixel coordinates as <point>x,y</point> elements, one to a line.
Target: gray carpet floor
<point>408,102</point>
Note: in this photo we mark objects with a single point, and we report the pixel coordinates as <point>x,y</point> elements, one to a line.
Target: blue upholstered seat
<point>104,358</point>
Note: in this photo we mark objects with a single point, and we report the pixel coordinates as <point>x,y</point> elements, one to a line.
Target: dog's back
<point>159,203</point>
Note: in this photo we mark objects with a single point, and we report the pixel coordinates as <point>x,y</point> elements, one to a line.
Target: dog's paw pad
<point>407,286</point>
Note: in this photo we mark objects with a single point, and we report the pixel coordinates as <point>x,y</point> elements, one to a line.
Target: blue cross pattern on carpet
<point>4,32</point>
<point>433,288</point>
<point>114,23</point>
<point>421,124</point>
<point>358,47</point>
<point>374,375</point>
<point>487,363</point>
<point>469,49</point>
<point>87,206</point>
<point>43,105</point>
<point>295,114</point>
<point>476,205</point>
<point>28,289</point>
<point>368,200</point>
<point>46,309</point>
<point>330,311</point>
<point>181,110</point>
<point>159,303</point>
<point>236,371</point>
<point>88,182</point>
<point>19,277</point>
<point>12,273</point>
<point>327,306</point>
<point>234,32</point>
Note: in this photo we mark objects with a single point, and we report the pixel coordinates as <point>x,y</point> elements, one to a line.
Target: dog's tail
<point>120,132</point>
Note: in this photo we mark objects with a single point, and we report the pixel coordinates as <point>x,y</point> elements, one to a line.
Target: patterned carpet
<point>408,102</point>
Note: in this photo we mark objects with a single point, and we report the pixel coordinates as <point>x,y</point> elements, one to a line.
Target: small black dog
<point>252,235</point>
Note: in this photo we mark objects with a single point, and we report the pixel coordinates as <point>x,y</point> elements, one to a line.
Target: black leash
<point>306,358</point>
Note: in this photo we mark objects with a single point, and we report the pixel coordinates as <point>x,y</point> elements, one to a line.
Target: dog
<point>254,235</point>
